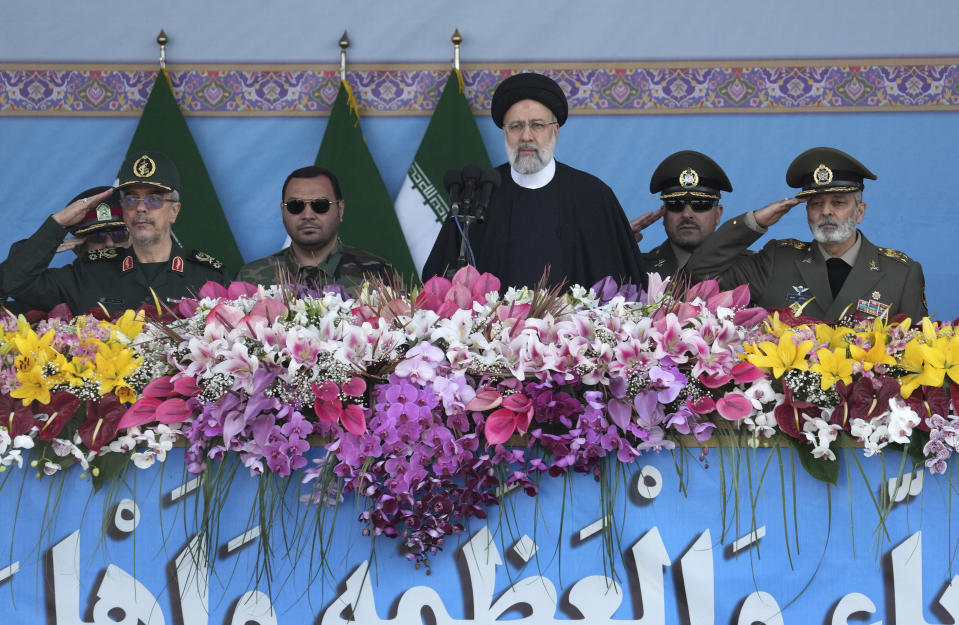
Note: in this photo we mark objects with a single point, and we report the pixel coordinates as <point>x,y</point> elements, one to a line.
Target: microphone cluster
<point>470,190</point>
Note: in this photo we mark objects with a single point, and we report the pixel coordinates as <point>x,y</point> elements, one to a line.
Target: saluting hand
<point>768,215</point>
<point>644,221</point>
<point>73,212</point>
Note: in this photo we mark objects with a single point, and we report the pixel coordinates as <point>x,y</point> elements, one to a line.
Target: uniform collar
<point>328,266</point>
<point>535,181</point>
<point>850,255</point>
<point>175,262</point>
<point>682,255</point>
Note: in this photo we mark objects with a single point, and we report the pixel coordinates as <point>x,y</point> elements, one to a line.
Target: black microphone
<point>453,181</point>
<point>471,176</point>
<point>489,182</point>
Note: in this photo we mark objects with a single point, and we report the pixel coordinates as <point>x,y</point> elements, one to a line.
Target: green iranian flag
<point>452,141</point>
<point>369,222</point>
<point>201,223</point>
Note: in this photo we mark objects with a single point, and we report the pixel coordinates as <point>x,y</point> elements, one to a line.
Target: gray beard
<point>844,230</point>
<point>530,163</point>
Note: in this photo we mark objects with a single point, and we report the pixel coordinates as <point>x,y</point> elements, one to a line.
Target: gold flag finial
<point>344,44</point>
<point>457,39</point>
<point>162,39</point>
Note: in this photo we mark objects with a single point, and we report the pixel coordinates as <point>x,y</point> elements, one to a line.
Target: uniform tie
<point>838,270</point>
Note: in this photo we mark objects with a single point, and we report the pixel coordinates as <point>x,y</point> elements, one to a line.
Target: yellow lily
<point>114,363</point>
<point>834,338</point>
<point>32,386</point>
<point>127,327</point>
<point>833,366</point>
<point>776,327</point>
<point>782,356</point>
<point>875,355</point>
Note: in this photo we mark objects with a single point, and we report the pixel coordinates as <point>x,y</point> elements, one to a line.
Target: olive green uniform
<point>346,266</point>
<point>112,277</point>
<point>788,271</point>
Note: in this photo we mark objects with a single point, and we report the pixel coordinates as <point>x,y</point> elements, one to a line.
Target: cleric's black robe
<point>574,224</point>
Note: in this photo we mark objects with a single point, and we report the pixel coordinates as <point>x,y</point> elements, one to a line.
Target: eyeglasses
<point>320,205</point>
<point>119,235</point>
<point>537,127</point>
<point>678,205</point>
<point>152,202</point>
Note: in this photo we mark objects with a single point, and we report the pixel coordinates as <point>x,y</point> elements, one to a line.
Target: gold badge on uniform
<point>104,213</point>
<point>873,266</point>
<point>689,178</point>
<point>822,175</point>
<point>144,167</point>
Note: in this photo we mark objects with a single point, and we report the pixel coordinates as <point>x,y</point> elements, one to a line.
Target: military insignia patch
<point>104,213</point>
<point>800,293</point>
<point>822,175</point>
<point>127,263</point>
<point>104,253</point>
<point>688,178</point>
<point>894,254</point>
<point>794,243</point>
<point>144,167</point>
<point>873,266</point>
<point>873,306</point>
<point>660,262</point>
<point>177,264</point>
<point>205,258</point>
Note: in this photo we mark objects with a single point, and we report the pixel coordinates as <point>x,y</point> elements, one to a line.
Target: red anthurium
<point>161,387</point>
<point>17,418</point>
<point>702,405</point>
<point>142,411</point>
<point>61,408</point>
<point>500,425</point>
<point>734,407</point>
<point>927,401</point>
<point>61,312</point>
<point>789,414</point>
<point>173,410</point>
<point>103,419</point>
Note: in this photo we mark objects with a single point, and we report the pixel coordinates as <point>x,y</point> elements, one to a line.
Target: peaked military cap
<point>153,169</point>
<point>689,174</point>
<point>529,86</point>
<point>826,170</point>
<point>106,215</point>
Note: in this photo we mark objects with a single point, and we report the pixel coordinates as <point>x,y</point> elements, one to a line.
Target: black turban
<point>529,87</point>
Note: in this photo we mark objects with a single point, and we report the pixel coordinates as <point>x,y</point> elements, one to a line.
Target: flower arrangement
<point>430,406</point>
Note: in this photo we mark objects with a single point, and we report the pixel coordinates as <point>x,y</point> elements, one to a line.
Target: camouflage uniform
<point>112,276</point>
<point>346,266</point>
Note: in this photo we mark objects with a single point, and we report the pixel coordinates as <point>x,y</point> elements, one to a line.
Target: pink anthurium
<point>173,410</point>
<point>703,290</point>
<point>161,387</point>
<point>186,386</point>
<point>715,380</point>
<point>213,290</point>
<point>746,372</point>
<point>486,399</point>
<point>702,405</point>
<point>143,411</point>
<point>269,309</point>
<point>734,407</point>
<point>238,289</point>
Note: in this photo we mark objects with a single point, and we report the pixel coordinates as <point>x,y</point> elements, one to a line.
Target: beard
<point>841,231</point>
<point>530,163</point>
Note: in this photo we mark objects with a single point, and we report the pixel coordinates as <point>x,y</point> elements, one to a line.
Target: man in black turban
<point>545,216</point>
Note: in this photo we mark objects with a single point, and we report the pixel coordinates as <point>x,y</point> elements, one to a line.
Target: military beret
<point>153,169</point>
<point>689,174</point>
<point>529,86</point>
<point>106,215</point>
<point>826,170</point>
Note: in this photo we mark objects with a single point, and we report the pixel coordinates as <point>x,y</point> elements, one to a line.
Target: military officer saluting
<point>114,277</point>
<point>839,273</point>
<point>690,185</point>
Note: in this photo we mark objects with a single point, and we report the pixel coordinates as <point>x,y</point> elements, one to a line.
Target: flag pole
<point>162,39</point>
<point>344,44</point>
<point>457,39</point>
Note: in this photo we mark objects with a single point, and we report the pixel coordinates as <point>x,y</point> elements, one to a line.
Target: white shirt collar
<point>535,181</point>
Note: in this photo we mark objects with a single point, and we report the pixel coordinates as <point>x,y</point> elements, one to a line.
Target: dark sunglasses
<point>319,205</point>
<point>120,235</point>
<point>679,205</point>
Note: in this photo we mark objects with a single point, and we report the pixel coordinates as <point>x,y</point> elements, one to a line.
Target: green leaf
<point>917,441</point>
<point>109,468</point>
<point>820,468</point>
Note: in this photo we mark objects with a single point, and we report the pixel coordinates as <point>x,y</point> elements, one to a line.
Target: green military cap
<point>529,86</point>
<point>153,169</point>
<point>689,174</point>
<point>106,215</point>
<point>826,170</point>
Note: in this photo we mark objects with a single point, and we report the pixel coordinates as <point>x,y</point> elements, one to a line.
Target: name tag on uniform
<point>798,294</point>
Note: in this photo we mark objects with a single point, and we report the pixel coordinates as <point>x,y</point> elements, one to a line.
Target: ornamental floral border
<point>626,88</point>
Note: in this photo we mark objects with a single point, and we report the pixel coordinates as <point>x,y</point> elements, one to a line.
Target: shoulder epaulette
<point>895,254</point>
<point>795,243</point>
<point>205,259</point>
<point>106,253</point>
